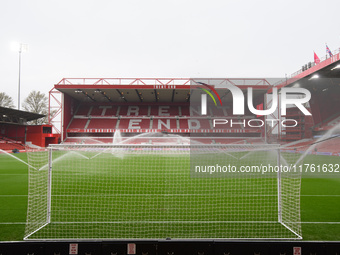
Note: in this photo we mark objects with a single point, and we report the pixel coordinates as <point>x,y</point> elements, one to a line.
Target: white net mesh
<point>158,191</point>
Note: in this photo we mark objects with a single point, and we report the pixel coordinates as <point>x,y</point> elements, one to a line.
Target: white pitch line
<point>10,223</point>
<point>310,222</point>
<point>112,195</point>
<point>22,161</point>
<point>140,195</point>
<point>160,222</point>
<point>324,222</point>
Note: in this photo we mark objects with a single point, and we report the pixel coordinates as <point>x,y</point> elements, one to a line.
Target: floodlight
<point>20,47</point>
<point>23,47</point>
<point>336,67</point>
<point>315,76</point>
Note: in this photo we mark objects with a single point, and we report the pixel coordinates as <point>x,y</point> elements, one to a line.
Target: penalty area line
<point>269,222</point>
<point>163,195</point>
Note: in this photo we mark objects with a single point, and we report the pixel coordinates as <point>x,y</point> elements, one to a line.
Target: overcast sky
<point>156,38</point>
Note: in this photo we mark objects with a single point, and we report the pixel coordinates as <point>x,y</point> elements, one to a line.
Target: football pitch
<point>320,204</point>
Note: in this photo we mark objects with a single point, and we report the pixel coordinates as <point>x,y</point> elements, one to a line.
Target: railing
<point>334,52</point>
<point>124,81</point>
<point>165,81</point>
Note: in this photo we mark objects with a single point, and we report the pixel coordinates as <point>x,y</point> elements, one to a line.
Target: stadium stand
<point>7,144</point>
<point>77,123</point>
<point>133,110</point>
<point>150,118</point>
<point>164,123</point>
<point>147,105</point>
<point>100,123</point>
<point>16,130</point>
<point>329,146</point>
<point>328,124</point>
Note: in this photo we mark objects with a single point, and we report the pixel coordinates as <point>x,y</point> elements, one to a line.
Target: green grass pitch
<point>320,202</point>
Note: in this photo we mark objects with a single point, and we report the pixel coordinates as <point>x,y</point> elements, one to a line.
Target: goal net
<point>163,191</point>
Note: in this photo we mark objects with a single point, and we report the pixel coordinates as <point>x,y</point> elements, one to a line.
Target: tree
<point>37,102</point>
<point>6,100</point>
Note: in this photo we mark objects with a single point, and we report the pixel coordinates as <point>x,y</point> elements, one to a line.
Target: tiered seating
<point>134,110</point>
<point>150,118</point>
<point>335,122</point>
<point>164,110</point>
<point>185,111</point>
<point>220,112</point>
<point>328,146</point>
<point>7,144</point>
<point>301,145</point>
<point>241,140</point>
<point>183,123</point>
<point>329,124</point>
<point>104,111</point>
<point>88,140</point>
<point>136,124</point>
<point>83,110</point>
<point>194,124</point>
<point>97,111</point>
<point>215,111</point>
<point>78,123</point>
<point>331,146</point>
<point>217,140</point>
<point>164,124</point>
<point>102,123</point>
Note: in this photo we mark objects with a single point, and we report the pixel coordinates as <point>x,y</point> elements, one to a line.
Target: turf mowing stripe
<point>320,195</point>
<point>13,174</point>
<point>13,195</point>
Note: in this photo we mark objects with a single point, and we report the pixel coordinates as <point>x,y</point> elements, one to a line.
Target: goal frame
<point>53,147</point>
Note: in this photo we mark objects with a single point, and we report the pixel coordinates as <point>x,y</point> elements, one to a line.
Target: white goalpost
<point>199,191</point>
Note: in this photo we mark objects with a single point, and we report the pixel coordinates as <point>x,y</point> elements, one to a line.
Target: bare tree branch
<point>6,100</point>
<point>37,102</point>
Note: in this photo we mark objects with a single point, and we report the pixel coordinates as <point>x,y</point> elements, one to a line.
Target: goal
<point>163,191</point>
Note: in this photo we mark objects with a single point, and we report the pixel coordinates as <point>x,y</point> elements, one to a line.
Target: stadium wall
<point>41,135</point>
